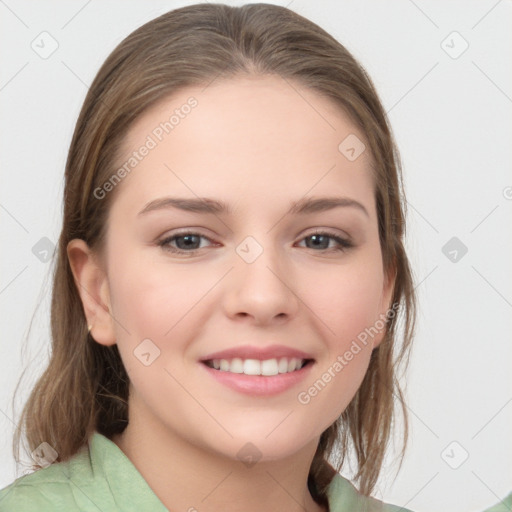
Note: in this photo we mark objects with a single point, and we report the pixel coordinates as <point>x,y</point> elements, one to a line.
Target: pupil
<point>317,237</point>
<point>188,240</point>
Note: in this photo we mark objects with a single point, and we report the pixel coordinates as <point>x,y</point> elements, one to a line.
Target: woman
<point>230,273</point>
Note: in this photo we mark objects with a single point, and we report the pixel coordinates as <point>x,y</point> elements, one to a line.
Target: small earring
<point>89,327</point>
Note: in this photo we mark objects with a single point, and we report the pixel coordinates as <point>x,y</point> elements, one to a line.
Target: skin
<point>256,144</point>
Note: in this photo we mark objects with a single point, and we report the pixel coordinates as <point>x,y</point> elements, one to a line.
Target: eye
<point>189,242</point>
<point>185,242</point>
<point>322,239</point>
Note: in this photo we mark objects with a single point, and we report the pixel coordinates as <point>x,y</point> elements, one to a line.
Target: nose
<point>262,291</point>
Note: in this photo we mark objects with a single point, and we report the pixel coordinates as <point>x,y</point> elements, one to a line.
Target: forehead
<point>250,136</point>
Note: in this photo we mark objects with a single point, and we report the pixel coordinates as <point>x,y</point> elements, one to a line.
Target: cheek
<point>149,303</point>
<point>349,302</point>
<point>348,307</point>
<point>155,302</point>
<point>138,299</point>
<point>148,298</point>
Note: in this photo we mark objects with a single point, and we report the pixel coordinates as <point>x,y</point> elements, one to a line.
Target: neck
<point>187,477</point>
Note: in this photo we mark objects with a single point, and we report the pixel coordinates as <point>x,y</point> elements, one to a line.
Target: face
<point>196,297</point>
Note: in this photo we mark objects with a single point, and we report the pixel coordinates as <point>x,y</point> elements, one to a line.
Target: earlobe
<point>92,285</point>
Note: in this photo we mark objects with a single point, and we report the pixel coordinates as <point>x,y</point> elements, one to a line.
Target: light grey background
<point>451,115</point>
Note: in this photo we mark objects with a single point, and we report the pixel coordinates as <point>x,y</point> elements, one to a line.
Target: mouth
<point>257,371</point>
<point>258,367</point>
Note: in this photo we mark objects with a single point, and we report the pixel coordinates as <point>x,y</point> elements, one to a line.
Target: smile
<point>267,367</point>
<point>259,378</point>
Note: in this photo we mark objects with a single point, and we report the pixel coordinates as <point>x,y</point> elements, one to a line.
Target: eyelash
<point>343,244</point>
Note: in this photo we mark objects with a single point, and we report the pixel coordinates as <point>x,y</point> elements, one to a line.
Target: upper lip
<point>261,353</point>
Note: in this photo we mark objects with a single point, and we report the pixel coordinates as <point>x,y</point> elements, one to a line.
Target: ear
<point>93,287</point>
<point>387,310</point>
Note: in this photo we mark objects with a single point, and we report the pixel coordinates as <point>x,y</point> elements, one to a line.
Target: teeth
<point>268,367</point>
<point>237,366</point>
<point>283,365</point>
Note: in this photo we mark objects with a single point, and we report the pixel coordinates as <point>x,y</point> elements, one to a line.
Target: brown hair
<point>85,386</point>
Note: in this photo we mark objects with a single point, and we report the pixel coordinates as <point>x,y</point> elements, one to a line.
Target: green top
<point>100,478</point>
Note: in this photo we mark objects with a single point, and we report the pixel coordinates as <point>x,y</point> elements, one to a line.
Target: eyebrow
<point>212,206</point>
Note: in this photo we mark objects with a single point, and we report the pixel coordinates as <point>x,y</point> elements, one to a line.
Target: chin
<point>265,444</point>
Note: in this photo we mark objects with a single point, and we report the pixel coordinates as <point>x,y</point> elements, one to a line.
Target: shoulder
<point>98,477</point>
<point>62,486</point>
<point>44,490</point>
<point>344,497</point>
<point>505,505</point>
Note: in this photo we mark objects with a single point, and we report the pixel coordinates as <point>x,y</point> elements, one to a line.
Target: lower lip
<point>259,385</point>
